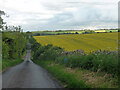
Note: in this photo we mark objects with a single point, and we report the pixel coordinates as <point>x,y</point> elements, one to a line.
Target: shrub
<point>5,50</point>
<point>103,61</point>
<point>14,44</point>
<point>48,52</point>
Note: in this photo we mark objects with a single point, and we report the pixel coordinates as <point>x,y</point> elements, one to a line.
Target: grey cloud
<point>90,3</point>
<point>62,5</point>
<point>86,14</point>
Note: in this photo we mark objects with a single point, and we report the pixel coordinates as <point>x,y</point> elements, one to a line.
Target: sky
<point>39,15</point>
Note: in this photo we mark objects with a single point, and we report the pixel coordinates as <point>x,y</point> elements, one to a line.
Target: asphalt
<point>28,75</point>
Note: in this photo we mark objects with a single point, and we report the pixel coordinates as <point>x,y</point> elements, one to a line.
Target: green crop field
<point>56,32</point>
<point>87,42</point>
<point>72,31</point>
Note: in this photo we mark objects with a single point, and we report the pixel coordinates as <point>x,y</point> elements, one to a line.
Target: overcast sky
<point>35,15</point>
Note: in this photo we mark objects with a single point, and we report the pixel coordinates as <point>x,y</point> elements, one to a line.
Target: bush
<point>48,52</point>
<point>5,50</point>
<point>14,44</point>
<point>100,61</point>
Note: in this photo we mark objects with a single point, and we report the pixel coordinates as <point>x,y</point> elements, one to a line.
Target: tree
<point>1,20</point>
<point>76,33</point>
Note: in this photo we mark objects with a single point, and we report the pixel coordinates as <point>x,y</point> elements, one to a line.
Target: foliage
<point>14,44</point>
<point>5,49</point>
<point>8,63</point>
<point>1,20</point>
<point>104,61</point>
<point>44,52</point>
<point>88,32</point>
<point>67,78</point>
<point>12,29</point>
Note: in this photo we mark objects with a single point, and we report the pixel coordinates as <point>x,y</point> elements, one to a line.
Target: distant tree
<point>28,33</point>
<point>6,27</point>
<point>118,29</point>
<point>76,33</point>
<point>1,20</point>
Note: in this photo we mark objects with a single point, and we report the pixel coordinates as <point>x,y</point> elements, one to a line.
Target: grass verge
<point>9,63</point>
<point>78,78</point>
<point>69,80</point>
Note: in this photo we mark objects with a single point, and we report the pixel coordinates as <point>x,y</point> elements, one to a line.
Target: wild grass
<point>103,61</point>
<point>68,79</point>
<point>8,63</point>
<point>78,77</point>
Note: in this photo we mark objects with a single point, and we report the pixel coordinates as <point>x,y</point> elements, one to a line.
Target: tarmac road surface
<point>28,75</point>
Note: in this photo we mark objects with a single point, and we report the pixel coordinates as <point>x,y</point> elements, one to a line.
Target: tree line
<point>14,41</point>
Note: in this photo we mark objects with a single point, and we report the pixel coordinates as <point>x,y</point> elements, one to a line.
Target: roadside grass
<point>9,63</point>
<point>77,77</point>
<point>68,79</point>
<point>5,63</point>
<point>102,61</point>
<point>95,79</point>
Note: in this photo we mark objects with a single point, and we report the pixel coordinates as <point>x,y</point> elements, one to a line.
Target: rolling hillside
<point>87,42</point>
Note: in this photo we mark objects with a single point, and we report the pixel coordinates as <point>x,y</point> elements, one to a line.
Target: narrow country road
<point>28,75</point>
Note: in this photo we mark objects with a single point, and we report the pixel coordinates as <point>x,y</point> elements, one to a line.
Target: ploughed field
<point>86,42</point>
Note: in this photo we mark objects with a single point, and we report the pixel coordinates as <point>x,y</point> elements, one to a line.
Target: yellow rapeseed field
<point>87,42</point>
<point>100,31</point>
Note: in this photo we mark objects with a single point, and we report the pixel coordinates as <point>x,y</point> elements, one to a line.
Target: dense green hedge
<point>106,62</point>
<point>47,52</point>
<point>13,44</point>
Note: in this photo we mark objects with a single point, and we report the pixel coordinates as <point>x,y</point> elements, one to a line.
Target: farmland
<point>73,31</point>
<point>68,48</point>
<point>101,66</point>
<point>86,42</point>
